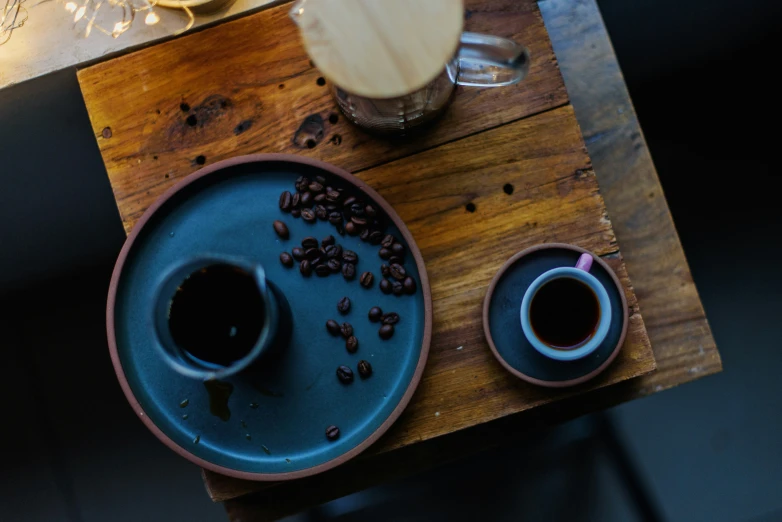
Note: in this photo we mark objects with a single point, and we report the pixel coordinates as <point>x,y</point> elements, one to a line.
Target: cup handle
<point>490,61</point>
<point>584,262</point>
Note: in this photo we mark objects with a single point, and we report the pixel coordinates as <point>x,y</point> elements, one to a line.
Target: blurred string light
<point>121,14</point>
<point>13,17</point>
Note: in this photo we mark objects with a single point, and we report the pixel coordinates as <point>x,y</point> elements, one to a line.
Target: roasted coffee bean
<point>364,368</point>
<point>321,212</point>
<point>332,195</point>
<point>349,256</point>
<point>309,242</point>
<point>397,288</point>
<point>320,179</point>
<point>375,237</point>
<point>320,198</point>
<point>332,433</point>
<point>384,253</point>
<point>358,220</point>
<point>397,272</point>
<point>390,318</point>
<point>385,286</point>
<point>308,215</point>
<point>343,305</point>
<point>357,210</point>
<point>302,183</point>
<point>312,253</point>
<point>335,218</point>
<point>327,241</point>
<point>298,253</point>
<point>305,200</point>
<point>286,259</point>
<point>345,374</point>
<point>351,228</point>
<point>285,201</point>
<point>384,270</point>
<point>315,187</point>
<point>388,241</point>
<point>295,199</point>
<point>334,251</point>
<point>409,285</point>
<point>333,327</point>
<point>331,207</point>
<point>364,235</point>
<point>322,271</point>
<point>348,271</point>
<point>334,265</point>
<point>351,344</point>
<point>395,260</point>
<point>305,268</point>
<point>295,212</point>
<point>349,202</point>
<point>386,331</point>
<point>370,211</point>
<point>346,330</point>
<point>398,249</point>
<point>366,279</point>
<point>375,314</point>
<point>281,229</point>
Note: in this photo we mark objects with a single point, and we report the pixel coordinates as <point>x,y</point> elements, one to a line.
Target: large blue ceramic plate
<point>276,428</point>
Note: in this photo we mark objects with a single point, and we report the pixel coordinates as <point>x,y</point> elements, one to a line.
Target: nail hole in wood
<point>508,189</point>
<point>201,159</point>
<point>166,176</point>
<point>333,118</point>
<point>281,86</point>
<point>192,120</point>
<point>184,107</point>
<point>321,81</point>
<point>311,144</point>
<point>470,207</point>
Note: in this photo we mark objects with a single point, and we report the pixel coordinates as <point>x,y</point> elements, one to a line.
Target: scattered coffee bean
<point>370,211</point>
<point>364,235</point>
<point>308,215</point>
<point>333,327</point>
<point>320,198</point>
<point>332,195</point>
<point>349,201</point>
<point>397,288</point>
<point>334,265</point>
<point>391,318</point>
<point>348,271</point>
<point>357,209</point>
<point>295,212</point>
<point>384,253</point>
<point>343,305</point>
<point>295,199</point>
<point>321,212</point>
<point>395,260</point>
<point>335,218</point>
<point>328,241</point>
<point>346,330</point>
<point>315,187</point>
<point>351,344</point>
<point>322,271</point>
<point>298,253</point>
<point>302,183</point>
<point>309,242</point>
<point>385,286</point>
<point>351,228</point>
<point>305,200</point>
<point>409,285</point>
<point>364,368</point>
<point>398,249</point>
<point>366,279</point>
<point>281,229</point>
<point>320,179</point>
<point>387,241</point>
<point>285,201</point>
<point>386,331</point>
<point>375,314</point>
<point>397,272</point>
<point>332,433</point>
<point>305,268</point>
<point>375,237</point>
<point>312,253</point>
<point>349,256</point>
<point>286,259</point>
<point>359,221</point>
<point>384,270</point>
<point>334,251</point>
<point>345,374</point>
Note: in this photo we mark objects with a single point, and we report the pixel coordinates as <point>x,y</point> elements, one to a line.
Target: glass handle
<point>490,61</point>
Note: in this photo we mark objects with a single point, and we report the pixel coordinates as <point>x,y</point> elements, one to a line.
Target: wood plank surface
<point>247,94</point>
<point>684,347</point>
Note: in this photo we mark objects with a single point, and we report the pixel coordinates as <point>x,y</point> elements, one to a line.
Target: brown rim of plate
<point>514,371</point>
<point>266,158</point>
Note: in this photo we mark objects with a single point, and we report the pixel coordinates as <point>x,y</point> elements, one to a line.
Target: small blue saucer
<point>502,327</point>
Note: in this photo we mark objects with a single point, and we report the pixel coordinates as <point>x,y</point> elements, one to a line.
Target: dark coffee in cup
<point>564,313</point>
<point>217,314</point>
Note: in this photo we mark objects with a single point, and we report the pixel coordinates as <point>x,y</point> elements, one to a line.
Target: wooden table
<point>466,402</point>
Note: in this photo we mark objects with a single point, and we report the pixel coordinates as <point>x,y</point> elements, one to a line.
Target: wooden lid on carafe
<point>380,48</point>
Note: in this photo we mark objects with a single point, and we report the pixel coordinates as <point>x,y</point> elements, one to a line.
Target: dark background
<point>699,73</point>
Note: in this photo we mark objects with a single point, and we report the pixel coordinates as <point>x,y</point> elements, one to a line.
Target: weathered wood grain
<point>245,94</point>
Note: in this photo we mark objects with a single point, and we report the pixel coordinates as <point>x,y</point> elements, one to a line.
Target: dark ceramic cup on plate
<point>215,316</point>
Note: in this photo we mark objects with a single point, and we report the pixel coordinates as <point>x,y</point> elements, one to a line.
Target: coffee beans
<point>281,229</point>
<point>298,253</point>
<point>346,330</point>
<point>366,279</point>
<point>305,268</point>
<point>397,288</point>
<point>286,259</point>
<point>384,270</point>
<point>333,327</point>
<point>322,271</point>
<point>345,374</point>
<point>309,242</point>
<point>305,200</point>
<point>409,285</point>
<point>386,331</point>
<point>315,187</point>
<point>384,253</point>
<point>350,257</point>
<point>328,241</point>
<point>308,215</point>
<point>321,212</point>
<point>348,271</point>
<point>335,218</point>
<point>387,241</point>
<point>375,314</point>
<point>390,318</point>
<point>332,433</point>
<point>364,369</point>
<point>295,200</point>
<point>286,201</point>
<point>397,272</point>
<point>295,212</point>
<point>334,265</point>
<point>375,237</point>
<point>385,286</point>
<point>344,305</point>
<point>398,249</point>
<point>351,344</point>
